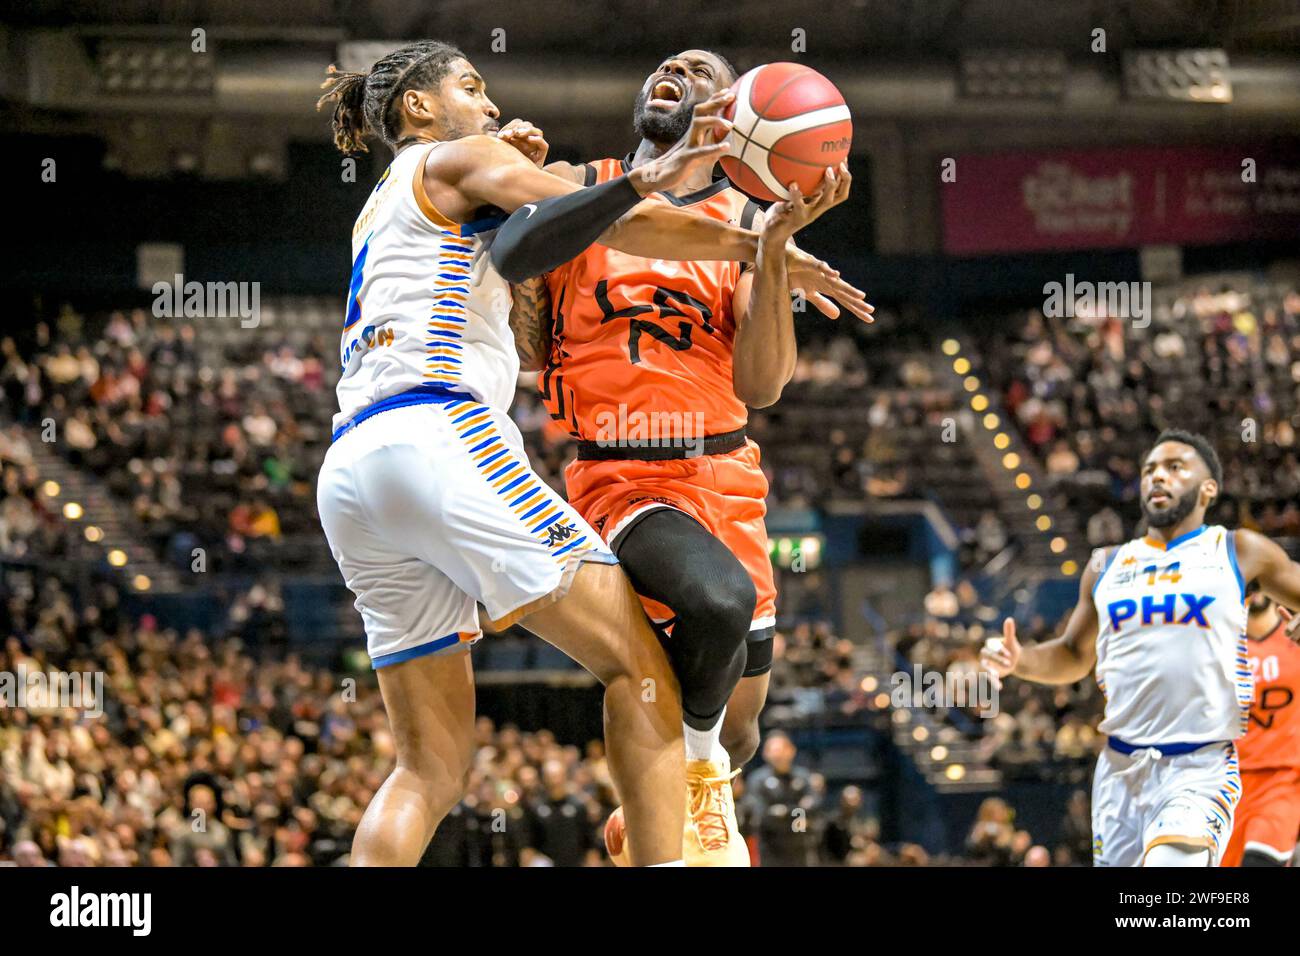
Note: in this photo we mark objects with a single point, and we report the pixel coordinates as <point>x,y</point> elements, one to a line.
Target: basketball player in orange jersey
<point>451,514</point>
<point>651,365</point>
<point>1268,817</point>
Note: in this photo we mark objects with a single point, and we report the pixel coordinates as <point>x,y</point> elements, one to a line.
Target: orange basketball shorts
<point>725,493</point>
<point>1268,816</point>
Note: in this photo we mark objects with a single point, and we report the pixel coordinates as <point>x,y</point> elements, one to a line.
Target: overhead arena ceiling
<point>930,27</point>
<point>575,66</point>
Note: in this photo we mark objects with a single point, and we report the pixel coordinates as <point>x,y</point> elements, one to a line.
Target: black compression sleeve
<point>540,236</point>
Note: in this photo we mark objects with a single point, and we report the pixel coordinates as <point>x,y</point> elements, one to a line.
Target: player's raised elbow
<point>761,387</point>
<point>757,395</point>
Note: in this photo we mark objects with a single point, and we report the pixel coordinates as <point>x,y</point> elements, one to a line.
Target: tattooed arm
<point>530,321</point>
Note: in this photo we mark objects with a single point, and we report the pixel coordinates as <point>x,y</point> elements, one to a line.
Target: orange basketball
<point>790,123</point>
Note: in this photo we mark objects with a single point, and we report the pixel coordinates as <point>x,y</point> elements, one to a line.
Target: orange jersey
<point>1273,733</point>
<point>642,348</point>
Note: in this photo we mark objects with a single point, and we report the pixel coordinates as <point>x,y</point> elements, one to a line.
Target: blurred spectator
<point>781,797</point>
<point>992,840</point>
<point>846,831</point>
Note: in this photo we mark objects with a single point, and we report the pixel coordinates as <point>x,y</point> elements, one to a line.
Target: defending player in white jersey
<point>426,495</point>
<point>1162,620</point>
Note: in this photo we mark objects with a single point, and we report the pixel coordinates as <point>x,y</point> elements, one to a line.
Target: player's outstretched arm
<point>805,273</point>
<point>559,218</point>
<point>485,170</point>
<point>1262,559</point>
<point>1064,660</point>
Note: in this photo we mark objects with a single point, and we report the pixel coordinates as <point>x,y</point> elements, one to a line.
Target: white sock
<point>706,744</point>
<point>671,863</point>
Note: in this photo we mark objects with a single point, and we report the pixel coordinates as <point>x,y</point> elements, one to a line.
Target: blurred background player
<point>677,351</point>
<point>1163,621</point>
<point>426,495</point>
<point>1268,817</point>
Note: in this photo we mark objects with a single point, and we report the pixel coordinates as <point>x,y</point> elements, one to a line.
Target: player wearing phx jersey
<point>650,365</point>
<point>1268,817</point>
<point>1162,620</point>
<point>426,496</point>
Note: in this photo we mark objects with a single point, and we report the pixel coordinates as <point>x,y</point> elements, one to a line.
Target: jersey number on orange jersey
<point>663,301</point>
<point>1270,699</point>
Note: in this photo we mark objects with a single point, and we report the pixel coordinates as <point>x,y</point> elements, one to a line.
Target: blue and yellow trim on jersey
<point>1245,681</point>
<point>449,312</point>
<point>449,315</point>
<point>1225,801</point>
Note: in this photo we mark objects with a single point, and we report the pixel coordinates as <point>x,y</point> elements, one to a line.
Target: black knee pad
<point>673,559</point>
<point>723,603</point>
<point>707,646</point>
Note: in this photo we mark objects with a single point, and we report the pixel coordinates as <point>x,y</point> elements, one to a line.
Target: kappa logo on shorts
<point>559,531</point>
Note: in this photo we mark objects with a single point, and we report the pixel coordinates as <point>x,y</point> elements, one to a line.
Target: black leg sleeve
<point>1256,858</point>
<point>671,558</point>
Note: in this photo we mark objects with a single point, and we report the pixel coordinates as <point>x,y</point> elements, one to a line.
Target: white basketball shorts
<point>1147,798</point>
<point>432,507</point>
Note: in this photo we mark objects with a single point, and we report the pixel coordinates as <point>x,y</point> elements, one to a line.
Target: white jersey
<point>425,307</point>
<point>1171,640</point>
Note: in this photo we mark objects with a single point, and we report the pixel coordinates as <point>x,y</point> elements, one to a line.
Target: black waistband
<point>662,450</point>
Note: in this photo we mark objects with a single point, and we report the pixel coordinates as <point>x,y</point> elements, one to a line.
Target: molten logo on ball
<point>789,124</point>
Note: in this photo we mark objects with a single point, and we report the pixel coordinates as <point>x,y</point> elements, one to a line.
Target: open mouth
<point>667,93</point>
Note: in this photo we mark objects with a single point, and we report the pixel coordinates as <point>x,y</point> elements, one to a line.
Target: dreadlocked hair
<point>365,104</point>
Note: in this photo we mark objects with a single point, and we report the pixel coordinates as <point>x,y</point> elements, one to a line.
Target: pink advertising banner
<point>1092,199</point>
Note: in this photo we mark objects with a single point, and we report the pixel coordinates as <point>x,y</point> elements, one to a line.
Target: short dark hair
<point>1198,442</point>
<point>731,67</point>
